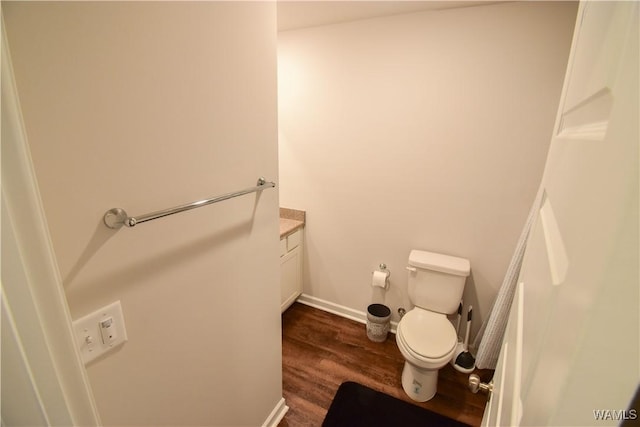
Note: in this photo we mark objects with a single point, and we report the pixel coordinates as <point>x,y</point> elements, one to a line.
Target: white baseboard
<point>276,415</point>
<point>337,309</point>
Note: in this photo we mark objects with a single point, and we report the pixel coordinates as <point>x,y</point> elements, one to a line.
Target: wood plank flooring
<point>321,350</point>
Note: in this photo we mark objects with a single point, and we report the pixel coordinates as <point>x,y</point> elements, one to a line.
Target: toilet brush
<point>459,347</point>
<point>465,362</point>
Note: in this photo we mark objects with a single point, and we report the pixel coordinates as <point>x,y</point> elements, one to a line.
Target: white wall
<point>426,130</point>
<point>145,106</point>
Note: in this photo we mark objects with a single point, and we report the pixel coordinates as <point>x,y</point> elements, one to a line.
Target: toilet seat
<point>427,336</point>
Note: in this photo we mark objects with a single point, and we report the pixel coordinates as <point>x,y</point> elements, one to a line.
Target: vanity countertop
<point>290,221</point>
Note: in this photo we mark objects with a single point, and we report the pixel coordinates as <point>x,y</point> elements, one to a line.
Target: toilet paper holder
<point>380,277</point>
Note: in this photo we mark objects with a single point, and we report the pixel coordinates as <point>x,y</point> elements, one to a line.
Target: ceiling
<point>301,14</point>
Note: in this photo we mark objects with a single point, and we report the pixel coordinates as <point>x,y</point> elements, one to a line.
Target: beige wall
<point>426,130</point>
<point>145,106</point>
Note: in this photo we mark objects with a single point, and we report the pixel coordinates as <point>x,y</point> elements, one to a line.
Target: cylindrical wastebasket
<point>378,322</point>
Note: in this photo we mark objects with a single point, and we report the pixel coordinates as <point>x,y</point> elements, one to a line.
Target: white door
<point>570,354</point>
<point>42,378</point>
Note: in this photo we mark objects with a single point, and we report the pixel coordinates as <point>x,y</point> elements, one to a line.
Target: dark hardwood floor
<point>321,350</point>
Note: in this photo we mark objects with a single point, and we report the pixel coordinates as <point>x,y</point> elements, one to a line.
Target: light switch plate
<point>90,331</point>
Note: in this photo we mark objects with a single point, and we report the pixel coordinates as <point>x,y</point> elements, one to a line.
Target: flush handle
<point>411,269</point>
<point>476,385</point>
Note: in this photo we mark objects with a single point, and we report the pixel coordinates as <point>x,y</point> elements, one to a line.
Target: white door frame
<point>40,344</point>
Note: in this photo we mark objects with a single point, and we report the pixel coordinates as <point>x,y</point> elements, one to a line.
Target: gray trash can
<point>378,322</point>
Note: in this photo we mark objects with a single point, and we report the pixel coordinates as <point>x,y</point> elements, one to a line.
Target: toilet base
<point>419,384</point>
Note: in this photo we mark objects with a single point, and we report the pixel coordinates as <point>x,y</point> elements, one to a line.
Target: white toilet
<point>425,336</point>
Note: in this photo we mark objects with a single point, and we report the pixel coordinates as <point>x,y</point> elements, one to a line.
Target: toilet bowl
<point>425,336</point>
<point>427,341</point>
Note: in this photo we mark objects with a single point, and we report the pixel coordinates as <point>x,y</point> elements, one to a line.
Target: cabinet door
<point>291,286</point>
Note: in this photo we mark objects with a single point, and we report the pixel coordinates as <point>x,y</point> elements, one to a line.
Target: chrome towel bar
<point>117,217</point>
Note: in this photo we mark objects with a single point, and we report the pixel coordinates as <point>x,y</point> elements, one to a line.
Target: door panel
<point>580,270</point>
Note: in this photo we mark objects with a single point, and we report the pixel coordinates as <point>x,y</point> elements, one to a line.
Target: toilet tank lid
<point>438,262</point>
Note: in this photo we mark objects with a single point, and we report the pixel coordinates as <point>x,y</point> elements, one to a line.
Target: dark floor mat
<point>355,405</point>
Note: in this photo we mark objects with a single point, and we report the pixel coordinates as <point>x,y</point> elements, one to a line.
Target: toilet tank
<point>436,281</point>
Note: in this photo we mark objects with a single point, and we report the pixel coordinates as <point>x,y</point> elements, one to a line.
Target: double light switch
<point>99,332</point>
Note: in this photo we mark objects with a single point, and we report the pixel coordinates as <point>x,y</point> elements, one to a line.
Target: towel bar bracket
<point>115,218</point>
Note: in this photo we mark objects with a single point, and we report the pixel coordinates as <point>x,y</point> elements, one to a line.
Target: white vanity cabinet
<point>291,268</point>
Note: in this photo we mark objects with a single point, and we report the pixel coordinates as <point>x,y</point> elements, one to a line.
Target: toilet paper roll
<point>379,279</point>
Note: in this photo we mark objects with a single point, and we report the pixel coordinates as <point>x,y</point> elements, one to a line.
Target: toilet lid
<point>429,334</point>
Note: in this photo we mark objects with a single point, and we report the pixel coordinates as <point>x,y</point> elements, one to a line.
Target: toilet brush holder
<point>459,350</point>
<point>464,361</point>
